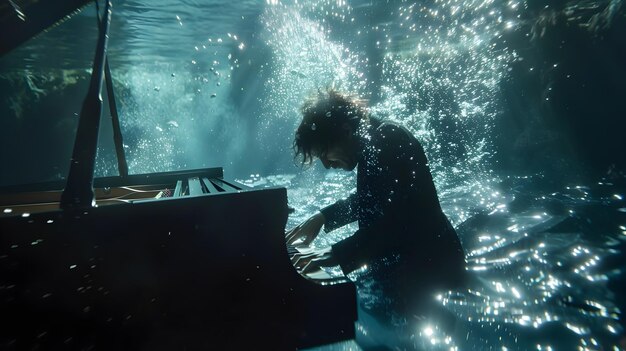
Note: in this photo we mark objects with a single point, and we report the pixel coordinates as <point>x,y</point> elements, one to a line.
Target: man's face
<point>338,157</point>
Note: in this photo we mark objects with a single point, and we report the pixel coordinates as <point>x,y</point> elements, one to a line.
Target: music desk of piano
<point>169,261</point>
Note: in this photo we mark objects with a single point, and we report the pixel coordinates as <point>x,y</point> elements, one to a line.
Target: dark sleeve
<point>340,213</point>
<point>386,232</point>
<point>364,246</point>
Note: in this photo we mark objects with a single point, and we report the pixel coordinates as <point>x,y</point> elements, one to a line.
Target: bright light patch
<point>576,329</point>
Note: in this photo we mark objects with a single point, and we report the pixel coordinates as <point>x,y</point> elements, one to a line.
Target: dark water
<point>519,104</point>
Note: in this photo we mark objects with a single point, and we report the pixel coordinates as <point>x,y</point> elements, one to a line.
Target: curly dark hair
<point>323,118</point>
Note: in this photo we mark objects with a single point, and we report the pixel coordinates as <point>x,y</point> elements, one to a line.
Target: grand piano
<point>165,261</point>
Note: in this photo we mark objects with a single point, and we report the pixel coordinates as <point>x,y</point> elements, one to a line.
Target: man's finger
<point>305,269</point>
<point>311,266</point>
<point>292,236</point>
<point>293,239</point>
<point>291,233</point>
<point>304,260</point>
<point>295,258</point>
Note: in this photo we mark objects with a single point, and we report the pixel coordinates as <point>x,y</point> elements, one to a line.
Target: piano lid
<point>26,18</point>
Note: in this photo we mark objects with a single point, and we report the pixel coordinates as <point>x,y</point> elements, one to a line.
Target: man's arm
<point>393,167</point>
<point>340,213</point>
<point>331,217</point>
<point>364,246</point>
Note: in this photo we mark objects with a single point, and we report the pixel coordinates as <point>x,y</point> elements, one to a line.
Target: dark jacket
<point>396,205</point>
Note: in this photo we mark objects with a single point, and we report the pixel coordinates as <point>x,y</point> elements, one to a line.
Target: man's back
<point>396,205</point>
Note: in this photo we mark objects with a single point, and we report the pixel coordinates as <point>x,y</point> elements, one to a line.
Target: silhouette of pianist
<point>396,204</point>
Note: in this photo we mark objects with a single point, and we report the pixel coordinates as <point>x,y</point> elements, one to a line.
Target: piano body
<point>177,260</point>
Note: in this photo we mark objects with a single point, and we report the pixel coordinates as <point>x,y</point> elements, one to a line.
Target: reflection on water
<point>546,267</point>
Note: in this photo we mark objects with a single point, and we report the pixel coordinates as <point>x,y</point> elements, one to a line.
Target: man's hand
<point>305,232</point>
<point>324,260</point>
<point>301,260</point>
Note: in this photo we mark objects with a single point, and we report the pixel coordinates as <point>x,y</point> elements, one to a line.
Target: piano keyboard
<point>320,276</point>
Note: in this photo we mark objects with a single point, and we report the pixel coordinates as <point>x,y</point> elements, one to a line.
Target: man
<point>395,204</point>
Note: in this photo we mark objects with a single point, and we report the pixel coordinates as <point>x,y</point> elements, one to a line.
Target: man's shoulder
<point>390,126</point>
<point>395,131</point>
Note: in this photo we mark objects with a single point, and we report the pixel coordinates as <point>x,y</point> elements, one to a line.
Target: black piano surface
<point>205,266</point>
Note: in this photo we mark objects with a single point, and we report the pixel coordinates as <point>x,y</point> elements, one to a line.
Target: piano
<point>165,261</point>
